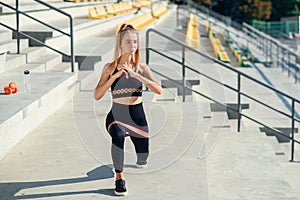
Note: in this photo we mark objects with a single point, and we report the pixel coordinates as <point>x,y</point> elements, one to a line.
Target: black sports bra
<point>126,87</point>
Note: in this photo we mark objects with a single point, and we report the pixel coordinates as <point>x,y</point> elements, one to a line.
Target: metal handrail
<point>265,40</point>
<point>285,63</point>
<point>17,29</point>
<point>237,90</point>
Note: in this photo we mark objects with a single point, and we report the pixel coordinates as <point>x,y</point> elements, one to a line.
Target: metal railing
<point>272,49</point>
<point>275,51</point>
<point>291,116</point>
<point>19,32</point>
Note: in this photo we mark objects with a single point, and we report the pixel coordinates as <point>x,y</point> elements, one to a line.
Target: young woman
<point>125,75</point>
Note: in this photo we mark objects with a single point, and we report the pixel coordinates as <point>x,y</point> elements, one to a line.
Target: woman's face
<point>129,43</point>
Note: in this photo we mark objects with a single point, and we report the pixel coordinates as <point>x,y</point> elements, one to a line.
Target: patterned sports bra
<point>126,87</point>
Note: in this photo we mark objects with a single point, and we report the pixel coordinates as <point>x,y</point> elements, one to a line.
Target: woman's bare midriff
<point>128,100</point>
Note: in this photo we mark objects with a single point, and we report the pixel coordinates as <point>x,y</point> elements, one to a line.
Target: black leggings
<point>131,120</point>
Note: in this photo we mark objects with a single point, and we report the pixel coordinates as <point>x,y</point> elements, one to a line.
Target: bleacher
<point>53,142</point>
<point>110,10</point>
<point>218,48</point>
<point>147,18</point>
<point>237,52</point>
<point>192,34</point>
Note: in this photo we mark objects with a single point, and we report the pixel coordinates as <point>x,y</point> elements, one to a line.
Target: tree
<point>256,9</point>
<point>227,8</point>
<point>248,10</point>
<point>282,8</point>
<point>205,2</point>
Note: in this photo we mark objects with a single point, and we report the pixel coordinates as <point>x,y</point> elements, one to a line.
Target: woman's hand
<point>120,72</point>
<point>128,70</point>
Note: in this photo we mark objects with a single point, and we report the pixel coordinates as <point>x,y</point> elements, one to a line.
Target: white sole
<point>121,193</point>
<point>141,166</point>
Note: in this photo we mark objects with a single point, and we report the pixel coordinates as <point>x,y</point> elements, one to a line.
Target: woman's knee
<point>117,134</point>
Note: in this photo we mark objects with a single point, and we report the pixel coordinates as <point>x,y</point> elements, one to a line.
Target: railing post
<point>72,45</point>
<point>271,52</point>
<point>147,47</point>
<point>289,62</point>
<point>277,56</point>
<point>297,71</point>
<point>239,102</point>
<point>177,17</point>
<point>266,49</point>
<point>282,59</point>
<point>293,131</point>
<point>183,74</point>
<point>18,26</point>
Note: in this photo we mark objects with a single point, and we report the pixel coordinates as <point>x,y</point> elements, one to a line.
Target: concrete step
<point>44,33</point>
<point>50,60</point>
<point>41,64</point>
<point>39,35</point>
<point>39,55</point>
<point>63,67</point>
<point>44,13</point>
<point>36,67</point>
<point>275,78</point>
<point>96,176</point>
<point>286,148</point>
<point>23,44</point>
<point>291,171</point>
<point>88,80</point>
<point>281,152</point>
<point>32,53</point>
<point>168,94</point>
<point>49,91</point>
<point>245,166</point>
<point>34,6</point>
<point>5,35</point>
<point>12,61</point>
<point>86,29</point>
<point>241,167</point>
<point>6,46</point>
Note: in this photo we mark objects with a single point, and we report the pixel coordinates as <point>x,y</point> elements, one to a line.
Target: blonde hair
<point>121,31</point>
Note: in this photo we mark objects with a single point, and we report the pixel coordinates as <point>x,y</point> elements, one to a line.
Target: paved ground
<point>68,156</point>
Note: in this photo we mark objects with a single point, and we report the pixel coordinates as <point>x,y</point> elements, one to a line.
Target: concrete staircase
<point>49,91</point>
<point>51,82</point>
<point>205,156</point>
<point>196,152</point>
<point>47,66</point>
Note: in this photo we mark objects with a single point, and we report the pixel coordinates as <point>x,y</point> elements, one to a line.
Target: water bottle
<point>27,87</point>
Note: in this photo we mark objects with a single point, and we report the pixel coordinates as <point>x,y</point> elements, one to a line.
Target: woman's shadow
<point>8,190</point>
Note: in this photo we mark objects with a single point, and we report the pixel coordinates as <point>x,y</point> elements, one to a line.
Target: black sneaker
<point>120,189</point>
<point>141,165</point>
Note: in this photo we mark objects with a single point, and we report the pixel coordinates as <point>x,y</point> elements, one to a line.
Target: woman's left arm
<point>147,78</point>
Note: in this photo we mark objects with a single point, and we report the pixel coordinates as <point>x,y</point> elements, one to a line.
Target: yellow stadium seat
<point>146,19</point>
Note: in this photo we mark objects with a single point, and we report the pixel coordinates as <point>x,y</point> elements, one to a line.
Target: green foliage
<point>283,8</point>
<point>248,10</point>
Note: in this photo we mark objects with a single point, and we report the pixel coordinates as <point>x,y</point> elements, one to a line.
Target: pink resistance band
<point>134,129</point>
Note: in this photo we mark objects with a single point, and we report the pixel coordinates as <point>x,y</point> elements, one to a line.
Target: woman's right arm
<point>104,83</point>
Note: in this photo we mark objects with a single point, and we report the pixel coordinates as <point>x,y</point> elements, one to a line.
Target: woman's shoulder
<point>143,66</point>
<point>107,65</point>
<point>107,68</point>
